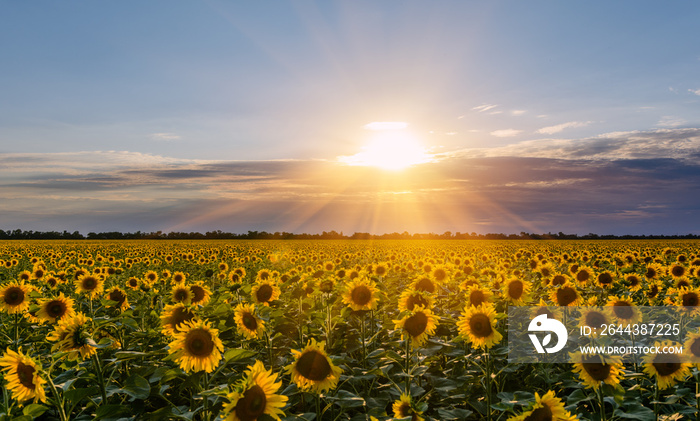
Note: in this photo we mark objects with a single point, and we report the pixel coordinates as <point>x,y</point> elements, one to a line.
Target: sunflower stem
<point>16,331</point>
<point>488,385</point>
<point>318,406</point>
<point>268,339</point>
<point>408,365</point>
<point>656,398</point>
<point>205,386</point>
<point>58,398</point>
<point>601,400</point>
<point>100,377</point>
<point>697,398</point>
<point>362,334</point>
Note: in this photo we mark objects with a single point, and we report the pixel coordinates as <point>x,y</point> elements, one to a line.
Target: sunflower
<point>200,293</point>
<point>560,279</point>
<point>677,271</point>
<point>477,295</point>
<point>547,407</point>
<point>22,376</point>
<point>173,316</point>
<point>420,323</point>
<point>654,271</point>
<point>248,324</point>
<point>633,281</point>
<point>133,283</point>
<point>667,368</point>
<point>410,298</point>
<point>689,300</point>
<point>654,290</point>
<point>594,370</point>
<point>425,284</point>
<point>594,318</point>
<point>478,326</point>
<point>178,278</point>
<point>404,408</point>
<point>196,347</point>
<point>605,279</point>
<point>71,336</point>
<point>14,297</point>
<point>624,310</point>
<point>517,291</point>
<point>584,274</point>
<point>118,295</point>
<point>181,294</point>
<point>92,285</point>
<point>54,309</point>
<point>263,275</point>
<point>255,396</point>
<point>691,348</point>
<point>312,370</point>
<point>566,295</point>
<point>150,277</point>
<point>682,282</point>
<point>361,294</point>
<point>264,292</point>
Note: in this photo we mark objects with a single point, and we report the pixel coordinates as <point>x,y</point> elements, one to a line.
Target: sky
<point>354,116</point>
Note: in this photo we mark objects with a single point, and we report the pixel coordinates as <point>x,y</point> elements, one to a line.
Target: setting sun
<point>391,147</point>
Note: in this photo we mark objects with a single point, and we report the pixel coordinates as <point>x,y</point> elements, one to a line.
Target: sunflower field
<point>329,330</point>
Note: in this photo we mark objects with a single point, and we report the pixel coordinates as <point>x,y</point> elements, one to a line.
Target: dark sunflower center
<point>51,282</point>
<point>361,295</point>
<point>653,291</point>
<point>133,283</point>
<point>440,275</point>
<point>198,293</point>
<point>250,322</point>
<point>416,324</point>
<point>416,300</point>
<point>426,285</point>
<point>566,296</point>
<point>181,295</point>
<point>598,371</point>
<point>634,281</point>
<point>540,414</point>
<point>515,289</point>
<point>177,278</point>
<point>476,298</point>
<point>545,272</point>
<point>89,283</point>
<point>180,315</point>
<point>314,366</point>
<point>25,373</point>
<point>56,308</point>
<point>623,310</point>
<point>480,325</point>
<point>677,270</point>
<point>264,293</point>
<point>690,299</point>
<point>650,273</point>
<point>117,296</point>
<point>595,319</point>
<point>380,271</point>
<point>13,296</point>
<point>199,343</point>
<point>583,276</point>
<point>695,348</point>
<point>605,279</point>
<point>558,280</point>
<point>683,283</point>
<point>252,404</point>
<point>667,368</point>
<point>404,411</point>
<point>264,276</point>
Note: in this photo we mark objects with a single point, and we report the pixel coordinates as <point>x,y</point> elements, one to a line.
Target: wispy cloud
<point>165,136</point>
<point>560,127</point>
<point>696,92</point>
<point>670,121</point>
<point>506,132</point>
<point>518,112</point>
<point>484,107</point>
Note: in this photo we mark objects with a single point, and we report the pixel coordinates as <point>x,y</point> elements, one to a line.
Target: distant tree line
<point>19,234</point>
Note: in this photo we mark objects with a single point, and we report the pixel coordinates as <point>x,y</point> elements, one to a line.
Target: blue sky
<point>112,113</point>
